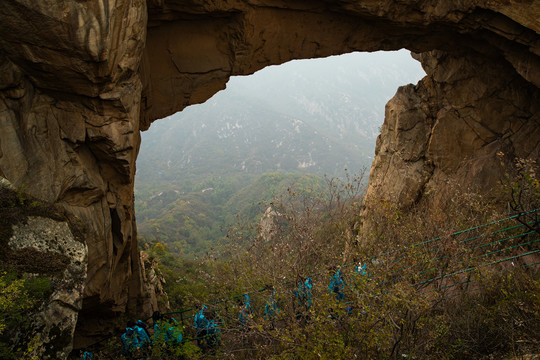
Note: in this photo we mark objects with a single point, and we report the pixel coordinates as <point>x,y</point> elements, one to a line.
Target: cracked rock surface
<point>449,127</point>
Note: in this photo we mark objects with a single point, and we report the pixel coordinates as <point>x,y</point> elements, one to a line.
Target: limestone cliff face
<point>79,79</point>
<point>447,130</point>
<point>69,104</point>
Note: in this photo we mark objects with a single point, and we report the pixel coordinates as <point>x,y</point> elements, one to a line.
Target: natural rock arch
<point>80,79</point>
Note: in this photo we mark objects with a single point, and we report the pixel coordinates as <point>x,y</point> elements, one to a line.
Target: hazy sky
<point>403,67</point>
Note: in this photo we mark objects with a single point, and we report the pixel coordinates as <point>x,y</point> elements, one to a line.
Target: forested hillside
<point>191,223</point>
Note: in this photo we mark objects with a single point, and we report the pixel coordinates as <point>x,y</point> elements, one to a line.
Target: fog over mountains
<point>316,116</point>
<point>284,125</point>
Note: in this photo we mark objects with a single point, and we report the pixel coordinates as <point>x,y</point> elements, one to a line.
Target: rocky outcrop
<point>39,246</point>
<point>53,324</point>
<point>154,283</point>
<point>447,130</point>
<point>79,79</point>
<point>269,225</point>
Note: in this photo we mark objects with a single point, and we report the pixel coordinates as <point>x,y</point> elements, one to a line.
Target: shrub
<point>17,297</point>
<point>427,292</point>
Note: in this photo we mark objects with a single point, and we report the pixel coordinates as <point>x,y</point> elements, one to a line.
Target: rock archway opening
<point>83,78</point>
<point>314,117</point>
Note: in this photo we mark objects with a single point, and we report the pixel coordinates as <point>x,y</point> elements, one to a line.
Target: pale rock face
<point>80,79</point>
<point>54,324</point>
<point>268,225</point>
<point>154,283</point>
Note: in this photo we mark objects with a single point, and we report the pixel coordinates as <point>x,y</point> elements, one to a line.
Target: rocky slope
<point>445,133</point>
<point>79,79</point>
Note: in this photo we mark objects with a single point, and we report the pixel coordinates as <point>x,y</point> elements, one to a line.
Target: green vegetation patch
<point>433,287</point>
<point>193,222</point>
<point>19,296</point>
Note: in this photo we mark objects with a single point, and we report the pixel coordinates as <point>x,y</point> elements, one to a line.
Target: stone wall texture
<point>53,324</point>
<point>80,79</point>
